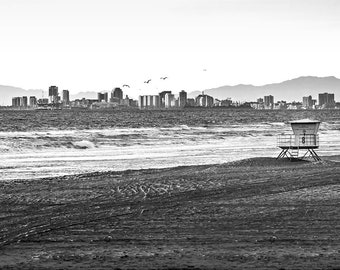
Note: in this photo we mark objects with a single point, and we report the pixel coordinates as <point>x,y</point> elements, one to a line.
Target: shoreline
<point>247,214</point>
<point>332,158</point>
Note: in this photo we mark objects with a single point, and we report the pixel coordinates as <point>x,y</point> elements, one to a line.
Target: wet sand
<point>258,213</point>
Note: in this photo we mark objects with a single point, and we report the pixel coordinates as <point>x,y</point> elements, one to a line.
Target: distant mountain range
<point>291,90</point>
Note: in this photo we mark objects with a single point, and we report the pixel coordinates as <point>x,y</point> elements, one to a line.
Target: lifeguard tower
<point>305,139</point>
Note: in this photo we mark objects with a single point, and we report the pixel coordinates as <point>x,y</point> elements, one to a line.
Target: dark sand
<point>253,214</point>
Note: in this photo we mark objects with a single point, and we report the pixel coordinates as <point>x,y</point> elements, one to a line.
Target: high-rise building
<point>268,102</point>
<point>326,100</point>
<point>307,102</point>
<point>156,101</point>
<point>182,100</point>
<point>169,100</point>
<point>149,101</point>
<point>153,101</point>
<point>66,97</point>
<point>53,94</point>
<point>24,102</point>
<point>204,100</point>
<point>117,93</point>
<point>16,102</point>
<point>102,97</point>
<point>141,102</point>
<point>33,101</point>
<point>162,98</point>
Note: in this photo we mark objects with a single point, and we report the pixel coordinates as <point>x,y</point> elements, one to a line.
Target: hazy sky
<point>95,45</point>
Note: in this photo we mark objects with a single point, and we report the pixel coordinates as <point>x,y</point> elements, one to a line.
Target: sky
<point>97,45</point>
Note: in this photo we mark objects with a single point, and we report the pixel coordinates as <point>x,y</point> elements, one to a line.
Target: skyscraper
<point>307,102</point>
<point>204,100</point>
<point>117,93</point>
<point>24,102</point>
<point>182,101</point>
<point>169,100</point>
<point>268,102</point>
<point>33,101</point>
<point>53,94</point>
<point>326,100</point>
<point>16,102</point>
<point>162,98</point>
<point>141,102</point>
<point>102,97</point>
<point>66,97</point>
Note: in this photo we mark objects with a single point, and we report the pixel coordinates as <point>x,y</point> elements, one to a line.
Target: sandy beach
<point>257,213</point>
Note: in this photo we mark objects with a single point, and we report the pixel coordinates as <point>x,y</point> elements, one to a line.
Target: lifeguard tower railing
<point>292,141</point>
<point>292,144</point>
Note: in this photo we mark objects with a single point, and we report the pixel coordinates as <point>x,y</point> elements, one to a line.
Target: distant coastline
<point>306,91</point>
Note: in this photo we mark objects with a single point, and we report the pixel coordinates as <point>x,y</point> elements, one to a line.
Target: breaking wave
<point>34,154</point>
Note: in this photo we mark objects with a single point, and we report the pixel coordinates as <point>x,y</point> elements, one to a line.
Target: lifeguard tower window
<point>303,140</point>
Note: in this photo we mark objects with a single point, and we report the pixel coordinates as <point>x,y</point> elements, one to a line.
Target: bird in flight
<point>148,81</point>
<point>126,85</point>
<point>164,78</point>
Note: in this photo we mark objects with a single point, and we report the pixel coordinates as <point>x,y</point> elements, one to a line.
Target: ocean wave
<point>148,136</point>
<point>84,145</point>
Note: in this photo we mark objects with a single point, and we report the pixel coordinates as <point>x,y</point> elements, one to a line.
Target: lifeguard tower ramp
<point>302,143</point>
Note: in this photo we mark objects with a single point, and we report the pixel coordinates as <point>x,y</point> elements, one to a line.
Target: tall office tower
<point>169,100</point>
<point>162,98</point>
<point>326,100</point>
<point>102,97</point>
<point>141,102</point>
<point>33,101</point>
<point>156,101</point>
<point>66,97</point>
<point>106,96</point>
<point>269,102</point>
<point>307,102</point>
<point>149,101</point>
<point>322,99</point>
<point>209,101</point>
<point>53,94</point>
<point>24,102</point>
<point>183,96</point>
<point>117,93</point>
<point>204,101</point>
<point>16,101</point>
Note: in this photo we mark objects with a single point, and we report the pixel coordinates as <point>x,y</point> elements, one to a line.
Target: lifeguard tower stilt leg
<point>283,154</point>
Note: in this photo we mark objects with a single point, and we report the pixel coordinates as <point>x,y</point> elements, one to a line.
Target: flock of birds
<point>147,81</point>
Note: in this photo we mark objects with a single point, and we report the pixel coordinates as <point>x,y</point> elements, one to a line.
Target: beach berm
<point>258,213</point>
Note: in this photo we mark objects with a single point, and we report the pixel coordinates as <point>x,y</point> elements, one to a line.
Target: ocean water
<point>46,144</point>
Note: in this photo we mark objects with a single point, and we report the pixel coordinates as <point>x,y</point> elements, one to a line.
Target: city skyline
<point>167,99</point>
<point>86,45</point>
<point>291,90</point>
